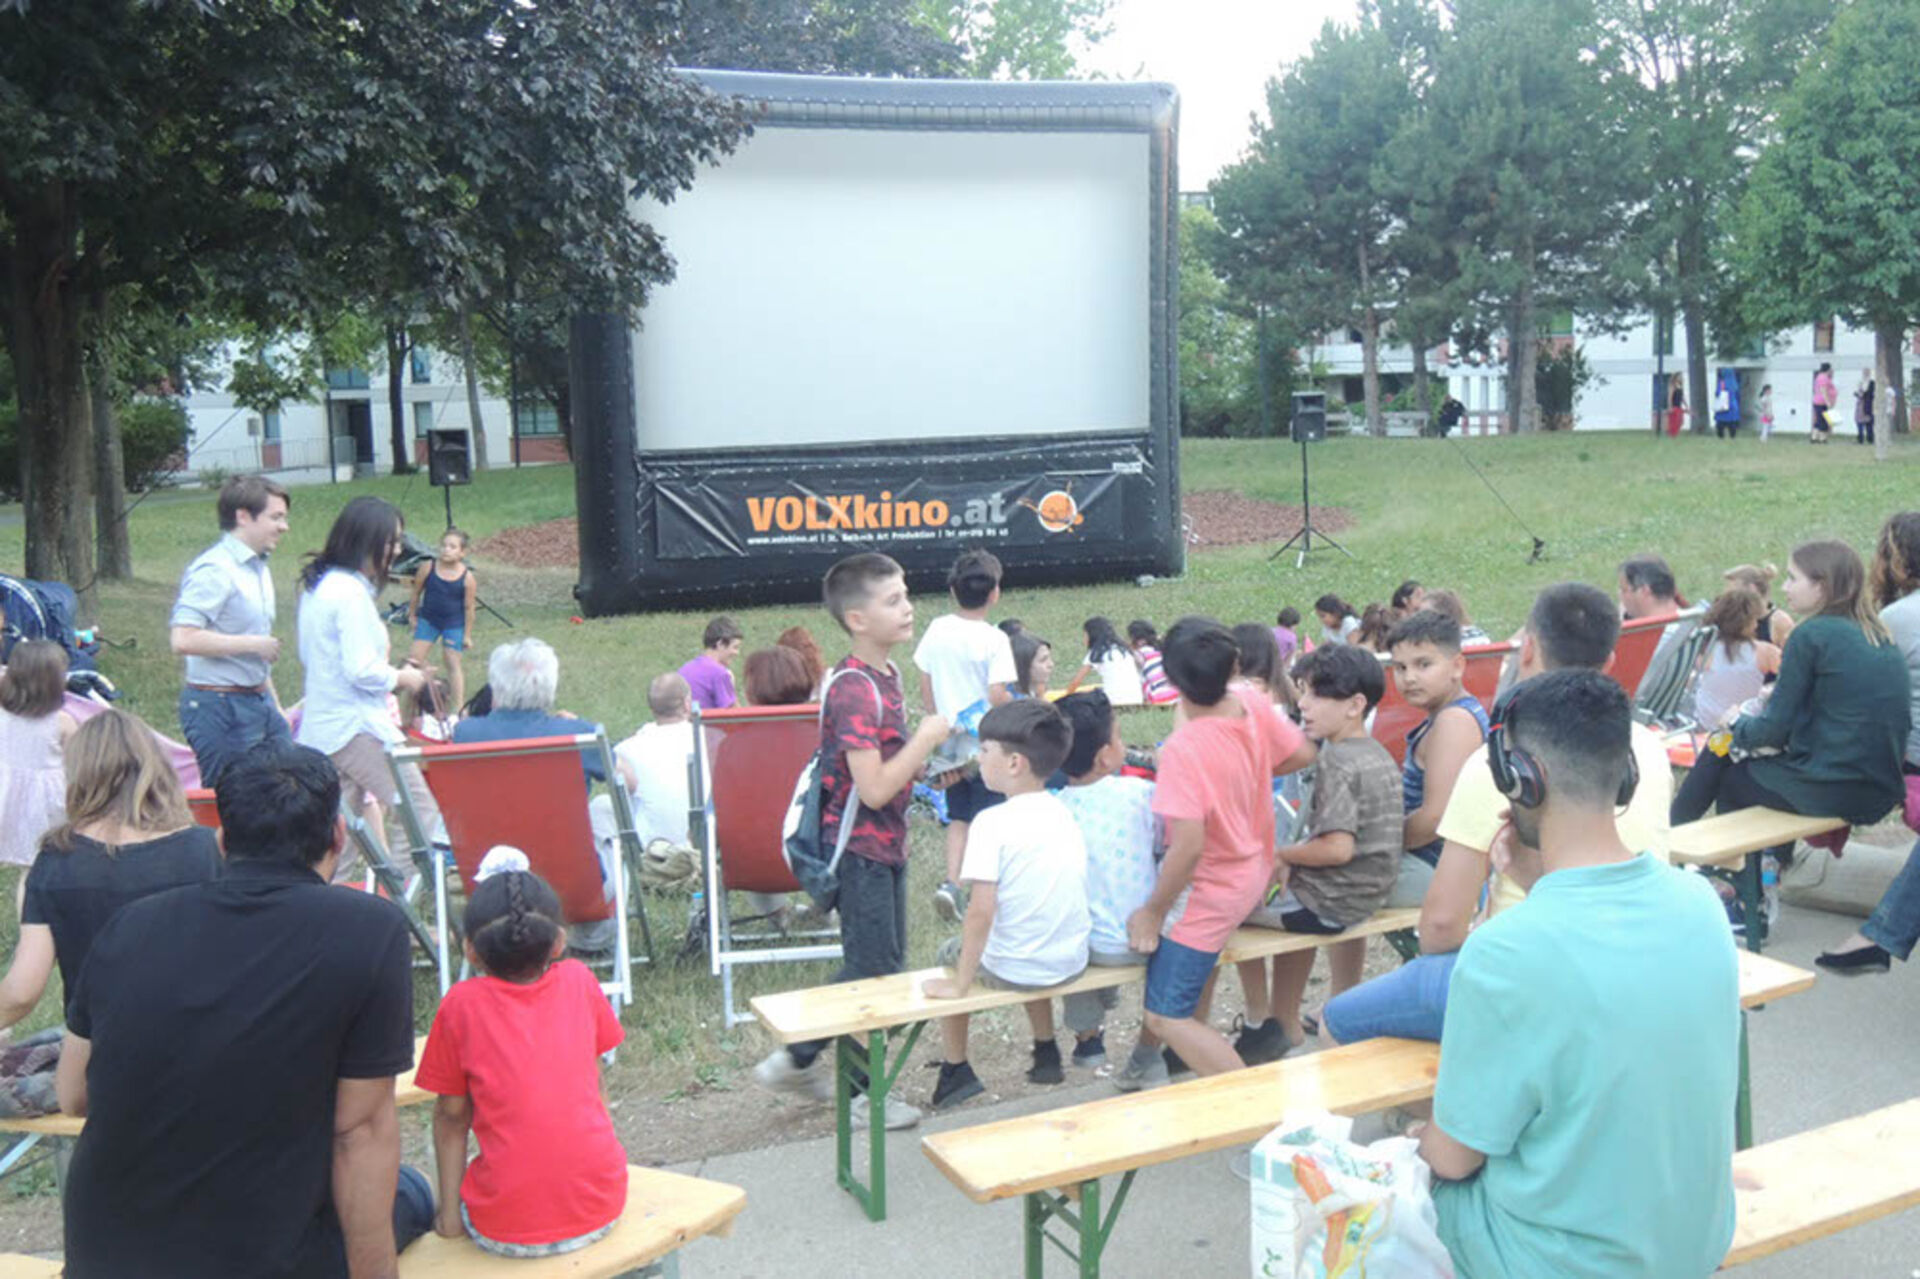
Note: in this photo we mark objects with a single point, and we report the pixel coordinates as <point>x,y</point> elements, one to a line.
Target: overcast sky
<point>1219,54</point>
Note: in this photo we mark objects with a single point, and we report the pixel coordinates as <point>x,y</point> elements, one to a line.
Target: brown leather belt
<point>228,688</point>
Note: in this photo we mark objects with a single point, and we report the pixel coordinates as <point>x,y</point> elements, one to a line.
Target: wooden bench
<point>1729,844</point>
<point>15,1266</point>
<point>59,1130</point>
<point>665,1212</point>
<point>878,1008</point>
<point>1057,1158</point>
<point>1818,1183</point>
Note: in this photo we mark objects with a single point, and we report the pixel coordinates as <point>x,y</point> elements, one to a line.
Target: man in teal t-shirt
<point>1583,1118</point>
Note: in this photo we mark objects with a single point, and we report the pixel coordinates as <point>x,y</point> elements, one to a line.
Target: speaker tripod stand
<point>1304,538</point>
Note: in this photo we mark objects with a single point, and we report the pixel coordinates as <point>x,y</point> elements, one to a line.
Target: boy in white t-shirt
<point>966,669</point>
<point>1124,840</point>
<point>1027,922</point>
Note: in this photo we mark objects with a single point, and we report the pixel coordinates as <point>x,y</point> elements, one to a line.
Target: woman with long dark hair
<point>344,647</point>
<point>1894,926</point>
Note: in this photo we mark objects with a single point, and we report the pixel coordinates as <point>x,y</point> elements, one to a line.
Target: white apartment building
<point>348,430</point>
<point>1631,373</point>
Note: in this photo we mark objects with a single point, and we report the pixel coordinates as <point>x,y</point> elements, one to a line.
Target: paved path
<point>1847,1046</point>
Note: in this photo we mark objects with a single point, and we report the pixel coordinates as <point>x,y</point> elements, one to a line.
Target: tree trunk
<point>1523,352</point>
<point>1699,399</point>
<point>1370,349</point>
<point>1420,400</point>
<point>397,348</point>
<point>49,366</point>
<point>115,554</point>
<point>475,423</point>
<point>1887,373</point>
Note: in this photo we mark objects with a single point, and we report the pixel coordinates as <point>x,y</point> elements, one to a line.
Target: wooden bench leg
<point>1752,902</point>
<point>1091,1230</point>
<point>1743,1097</point>
<point>850,1062</point>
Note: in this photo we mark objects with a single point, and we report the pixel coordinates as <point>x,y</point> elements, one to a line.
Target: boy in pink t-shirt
<point>1215,793</point>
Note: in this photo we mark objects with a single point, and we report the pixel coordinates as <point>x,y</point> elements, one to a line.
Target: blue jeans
<point>412,1207</point>
<point>1409,1002</point>
<point>223,728</point>
<point>1895,922</point>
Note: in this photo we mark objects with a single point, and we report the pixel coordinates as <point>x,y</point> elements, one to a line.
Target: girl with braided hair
<point>513,1055</point>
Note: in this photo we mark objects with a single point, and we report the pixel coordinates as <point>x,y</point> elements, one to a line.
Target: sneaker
<point>1046,1065</point>
<point>957,1083</point>
<point>1260,1044</point>
<point>1736,917</point>
<point>899,1113</point>
<point>1091,1053</point>
<point>1174,1065</point>
<point>1145,1068</point>
<point>948,903</point>
<point>778,1072</point>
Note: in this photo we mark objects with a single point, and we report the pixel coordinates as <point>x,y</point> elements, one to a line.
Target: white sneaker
<point>899,1113</point>
<point>778,1073</point>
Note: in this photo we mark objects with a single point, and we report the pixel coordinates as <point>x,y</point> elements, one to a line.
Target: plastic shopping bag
<point>1325,1208</point>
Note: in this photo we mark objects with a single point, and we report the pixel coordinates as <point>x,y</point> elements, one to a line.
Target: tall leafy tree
<point>278,150</point>
<point>1018,39</point>
<point>1544,172</point>
<point>815,37</point>
<point>1704,78</point>
<point>1308,215</point>
<point>1829,223</point>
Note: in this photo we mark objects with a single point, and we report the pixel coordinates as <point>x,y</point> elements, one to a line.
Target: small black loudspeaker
<point>448,461</point>
<point>1309,417</point>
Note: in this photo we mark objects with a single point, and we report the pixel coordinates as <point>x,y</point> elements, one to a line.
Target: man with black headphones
<point>1583,1117</point>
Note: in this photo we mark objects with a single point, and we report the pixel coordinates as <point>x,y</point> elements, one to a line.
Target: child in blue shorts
<point>441,610</point>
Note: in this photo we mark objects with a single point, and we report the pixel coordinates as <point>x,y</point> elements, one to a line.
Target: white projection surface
<point>842,286</point>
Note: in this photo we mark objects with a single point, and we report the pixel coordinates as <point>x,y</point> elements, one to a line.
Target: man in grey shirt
<point>222,623</point>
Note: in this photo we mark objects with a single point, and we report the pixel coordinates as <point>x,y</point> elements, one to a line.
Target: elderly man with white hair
<point>524,677</point>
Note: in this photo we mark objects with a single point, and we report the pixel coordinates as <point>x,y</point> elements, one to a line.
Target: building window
<point>422,418</point>
<point>1823,335</point>
<point>535,417</point>
<point>347,379</point>
<point>1662,333</point>
<point>422,361</point>
<point>270,426</point>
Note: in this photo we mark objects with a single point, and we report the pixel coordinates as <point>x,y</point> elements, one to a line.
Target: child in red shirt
<point>513,1054</point>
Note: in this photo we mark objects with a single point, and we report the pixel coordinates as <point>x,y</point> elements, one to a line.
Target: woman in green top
<point>1830,739</point>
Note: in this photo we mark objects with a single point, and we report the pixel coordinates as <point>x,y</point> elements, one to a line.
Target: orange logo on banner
<point>1057,510</point>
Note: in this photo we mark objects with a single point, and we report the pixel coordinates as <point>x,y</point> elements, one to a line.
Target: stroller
<point>46,611</point>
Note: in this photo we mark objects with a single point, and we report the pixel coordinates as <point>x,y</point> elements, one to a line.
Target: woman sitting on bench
<point>128,833</point>
<point>1894,925</point>
<point>1829,741</point>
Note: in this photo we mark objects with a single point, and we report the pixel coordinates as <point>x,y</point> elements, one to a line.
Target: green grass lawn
<point>1419,512</point>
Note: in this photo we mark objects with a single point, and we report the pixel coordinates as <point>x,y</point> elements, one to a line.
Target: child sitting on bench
<point>513,1054</point>
<point>1116,821</point>
<point>1341,873</point>
<point>1026,925</point>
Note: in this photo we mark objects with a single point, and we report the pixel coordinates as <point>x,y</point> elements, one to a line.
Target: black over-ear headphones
<point>1521,777</point>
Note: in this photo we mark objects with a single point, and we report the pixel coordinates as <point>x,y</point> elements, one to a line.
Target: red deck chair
<point>746,762</point>
<point>1633,651</point>
<point>1393,718</point>
<point>531,794</point>
<point>200,803</point>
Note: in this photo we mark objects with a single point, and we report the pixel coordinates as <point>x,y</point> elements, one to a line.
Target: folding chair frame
<point>1666,705</point>
<point>723,953</point>
<point>619,987</point>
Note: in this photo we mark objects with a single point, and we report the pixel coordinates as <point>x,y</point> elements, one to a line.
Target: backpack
<point>815,866</point>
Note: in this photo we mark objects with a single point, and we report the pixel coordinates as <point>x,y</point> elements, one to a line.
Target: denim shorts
<point>454,637</point>
<point>1176,975</point>
<point>1409,1002</point>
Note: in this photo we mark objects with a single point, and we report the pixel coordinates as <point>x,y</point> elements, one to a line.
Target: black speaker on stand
<point>448,463</point>
<point>1309,426</point>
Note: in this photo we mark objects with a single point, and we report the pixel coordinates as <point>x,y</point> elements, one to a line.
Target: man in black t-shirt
<point>234,1046</point>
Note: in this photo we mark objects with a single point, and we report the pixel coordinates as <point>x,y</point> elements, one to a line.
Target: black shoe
<point>1851,963</point>
<point>1046,1064</point>
<point>1174,1065</point>
<point>1263,1043</point>
<point>1091,1053</point>
<point>957,1083</point>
